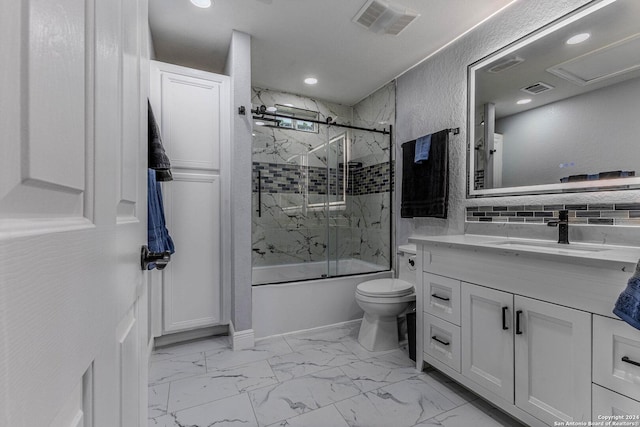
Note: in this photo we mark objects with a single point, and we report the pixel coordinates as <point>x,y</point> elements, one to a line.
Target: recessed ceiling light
<point>272,109</point>
<point>259,123</point>
<point>523,101</point>
<point>311,80</point>
<point>202,3</point>
<point>578,38</point>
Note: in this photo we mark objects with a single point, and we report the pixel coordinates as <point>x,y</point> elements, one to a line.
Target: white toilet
<point>382,300</point>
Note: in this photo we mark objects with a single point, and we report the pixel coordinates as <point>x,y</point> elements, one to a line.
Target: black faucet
<point>563,226</point>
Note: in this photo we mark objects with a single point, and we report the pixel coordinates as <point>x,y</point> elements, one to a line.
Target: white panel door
<point>553,361</point>
<point>68,274</point>
<point>487,339</point>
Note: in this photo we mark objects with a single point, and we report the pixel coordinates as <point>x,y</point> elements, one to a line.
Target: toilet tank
<point>406,263</point>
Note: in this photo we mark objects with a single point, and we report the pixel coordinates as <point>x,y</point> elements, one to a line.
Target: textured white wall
<point>239,68</point>
<point>433,96</point>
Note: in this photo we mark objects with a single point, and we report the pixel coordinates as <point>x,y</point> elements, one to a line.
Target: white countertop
<point>537,248</point>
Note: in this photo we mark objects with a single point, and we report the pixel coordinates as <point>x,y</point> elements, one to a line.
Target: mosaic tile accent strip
<point>621,214</point>
<point>284,178</point>
<point>372,179</point>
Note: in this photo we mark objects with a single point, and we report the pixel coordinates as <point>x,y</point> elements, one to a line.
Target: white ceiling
<point>293,39</point>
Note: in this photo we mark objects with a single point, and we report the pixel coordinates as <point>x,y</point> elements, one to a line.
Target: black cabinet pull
<point>439,340</point>
<point>518,331</point>
<point>439,297</point>
<point>633,362</point>
<point>504,318</point>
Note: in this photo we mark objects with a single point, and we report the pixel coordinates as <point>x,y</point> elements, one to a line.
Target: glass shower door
<point>322,203</point>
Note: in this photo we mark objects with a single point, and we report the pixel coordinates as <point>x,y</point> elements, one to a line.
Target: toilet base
<point>379,333</point>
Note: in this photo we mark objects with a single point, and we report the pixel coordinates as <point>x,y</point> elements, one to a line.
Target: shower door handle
<point>259,194</point>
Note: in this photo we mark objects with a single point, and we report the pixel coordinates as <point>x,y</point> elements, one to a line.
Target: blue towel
<point>158,238</point>
<point>423,146</point>
<point>628,303</point>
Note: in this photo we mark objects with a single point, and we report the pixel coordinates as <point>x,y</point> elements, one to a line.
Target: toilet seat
<point>385,288</point>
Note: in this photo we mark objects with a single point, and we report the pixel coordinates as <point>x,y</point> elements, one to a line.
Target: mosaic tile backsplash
<point>621,214</point>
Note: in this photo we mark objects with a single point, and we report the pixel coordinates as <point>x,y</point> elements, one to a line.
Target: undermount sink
<point>551,247</point>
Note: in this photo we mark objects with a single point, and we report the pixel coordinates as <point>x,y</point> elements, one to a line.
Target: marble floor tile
<point>158,398</point>
<point>199,346</point>
<point>327,416</point>
<point>195,391</point>
<point>399,405</point>
<point>476,414</point>
<point>362,353</point>
<point>230,412</point>
<point>320,378</point>
<point>449,388</point>
<point>250,376</point>
<point>305,362</point>
<point>173,369</point>
<point>398,357</point>
<point>375,373</point>
<point>325,336</point>
<point>300,395</point>
<point>265,349</point>
<point>163,421</point>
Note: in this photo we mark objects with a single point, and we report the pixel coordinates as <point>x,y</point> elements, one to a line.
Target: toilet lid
<point>385,288</point>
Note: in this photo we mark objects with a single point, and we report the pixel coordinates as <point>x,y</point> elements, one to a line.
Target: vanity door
<point>552,361</point>
<point>487,338</point>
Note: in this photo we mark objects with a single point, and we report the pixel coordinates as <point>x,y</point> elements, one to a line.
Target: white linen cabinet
<point>192,108</point>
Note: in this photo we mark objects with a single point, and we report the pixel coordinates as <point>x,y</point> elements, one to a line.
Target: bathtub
<point>287,307</point>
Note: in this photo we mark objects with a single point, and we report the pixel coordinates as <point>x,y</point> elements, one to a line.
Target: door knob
<point>160,259</point>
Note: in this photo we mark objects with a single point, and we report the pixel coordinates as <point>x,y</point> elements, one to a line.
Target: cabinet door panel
<point>487,348</point>
<point>192,281</point>
<point>553,361</point>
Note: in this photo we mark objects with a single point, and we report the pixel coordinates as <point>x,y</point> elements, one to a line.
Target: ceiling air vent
<point>505,64</point>
<point>384,18</point>
<point>537,88</point>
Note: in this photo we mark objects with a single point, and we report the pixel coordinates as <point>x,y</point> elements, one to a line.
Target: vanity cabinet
<point>616,368</point>
<point>528,352</point>
<point>523,338</point>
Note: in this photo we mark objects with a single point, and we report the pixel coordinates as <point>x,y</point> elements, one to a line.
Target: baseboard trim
<point>195,334</point>
<point>241,340</point>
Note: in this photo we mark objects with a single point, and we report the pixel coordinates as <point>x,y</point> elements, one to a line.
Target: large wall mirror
<point>559,111</point>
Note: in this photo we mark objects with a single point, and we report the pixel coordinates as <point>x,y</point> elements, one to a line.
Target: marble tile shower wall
<point>287,231</point>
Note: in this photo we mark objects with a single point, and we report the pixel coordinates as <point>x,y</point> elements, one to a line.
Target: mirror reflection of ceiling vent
<point>537,88</point>
<point>505,64</point>
<point>384,18</point>
<point>609,61</point>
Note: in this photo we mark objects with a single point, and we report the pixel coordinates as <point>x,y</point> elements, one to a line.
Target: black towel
<point>157,159</point>
<point>425,186</point>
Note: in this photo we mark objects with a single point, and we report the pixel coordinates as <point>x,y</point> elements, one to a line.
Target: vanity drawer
<point>442,341</point>
<point>607,403</point>
<point>441,297</point>
<point>616,356</point>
